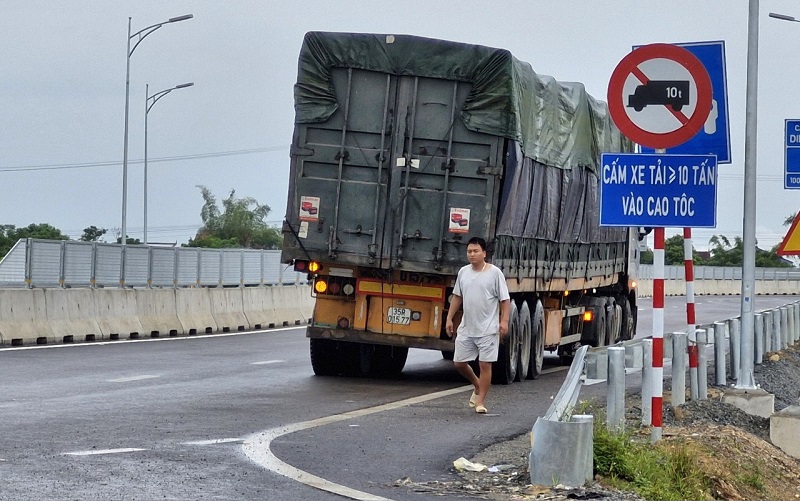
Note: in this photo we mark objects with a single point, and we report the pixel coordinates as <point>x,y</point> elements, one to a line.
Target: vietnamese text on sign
<point>658,190</point>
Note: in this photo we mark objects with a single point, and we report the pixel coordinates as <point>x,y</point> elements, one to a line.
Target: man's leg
<point>465,370</point>
<point>484,382</point>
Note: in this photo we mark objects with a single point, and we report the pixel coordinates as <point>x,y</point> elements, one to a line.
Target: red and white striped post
<point>688,263</point>
<point>691,321</point>
<point>658,334</point>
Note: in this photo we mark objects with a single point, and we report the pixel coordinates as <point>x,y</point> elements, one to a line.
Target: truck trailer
<point>405,147</point>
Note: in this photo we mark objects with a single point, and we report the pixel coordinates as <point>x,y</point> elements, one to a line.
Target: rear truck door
<point>393,179</point>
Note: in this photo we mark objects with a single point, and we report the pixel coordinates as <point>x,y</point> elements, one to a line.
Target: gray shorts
<point>484,348</point>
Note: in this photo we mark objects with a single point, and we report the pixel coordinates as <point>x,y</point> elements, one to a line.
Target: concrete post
<point>758,319</point>
<point>734,332</point>
<point>796,321</point>
<point>647,382</point>
<point>678,368</point>
<point>790,319</point>
<point>702,365</point>
<point>692,349</point>
<point>719,353</point>
<point>616,389</point>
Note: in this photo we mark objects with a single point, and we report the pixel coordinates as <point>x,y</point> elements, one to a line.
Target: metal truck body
<point>403,149</point>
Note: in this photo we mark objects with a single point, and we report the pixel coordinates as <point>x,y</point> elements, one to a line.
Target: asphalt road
<point>184,418</point>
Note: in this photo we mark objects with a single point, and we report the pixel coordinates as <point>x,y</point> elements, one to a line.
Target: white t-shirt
<point>481,293</point>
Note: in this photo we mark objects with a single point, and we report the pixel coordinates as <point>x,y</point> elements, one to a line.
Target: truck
<point>404,148</point>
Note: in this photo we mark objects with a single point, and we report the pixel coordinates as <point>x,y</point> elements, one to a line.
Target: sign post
<point>659,96</point>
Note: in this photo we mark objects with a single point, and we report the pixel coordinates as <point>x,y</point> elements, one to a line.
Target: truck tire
<point>323,357</point>
<point>537,341</point>
<point>524,358</point>
<point>600,334</point>
<point>505,369</point>
<point>387,361</point>
<point>626,318</point>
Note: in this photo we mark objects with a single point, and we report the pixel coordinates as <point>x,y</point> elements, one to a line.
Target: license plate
<point>400,316</point>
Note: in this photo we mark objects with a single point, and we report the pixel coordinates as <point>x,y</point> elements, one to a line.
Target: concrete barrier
<point>257,305</point>
<point>228,310</point>
<point>293,305</point>
<point>158,313</point>
<point>72,315</point>
<point>117,314</point>
<point>23,317</point>
<point>193,307</point>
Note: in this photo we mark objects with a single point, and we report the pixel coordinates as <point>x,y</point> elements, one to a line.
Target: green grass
<point>658,472</point>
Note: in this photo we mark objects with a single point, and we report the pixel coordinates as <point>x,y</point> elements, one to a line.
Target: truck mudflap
<point>361,336</point>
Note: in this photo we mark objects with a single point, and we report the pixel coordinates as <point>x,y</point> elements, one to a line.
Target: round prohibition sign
<point>660,95</point>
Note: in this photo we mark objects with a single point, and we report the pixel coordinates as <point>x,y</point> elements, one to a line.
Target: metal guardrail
<point>67,263</point>
<point>646,271</point>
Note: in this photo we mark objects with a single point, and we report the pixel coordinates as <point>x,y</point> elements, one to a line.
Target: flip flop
<point>480,409</point>
<point>472,399</point>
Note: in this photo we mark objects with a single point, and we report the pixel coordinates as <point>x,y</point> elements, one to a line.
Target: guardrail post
<point>719,353</point>
<point>241,268</point>
<point>758,328</point>
<point>647,381</point>
<point>692,350</point>
<point>735,335</point>
<point>678,368</point>
<point>262,258</point>
<point>776,330</point>
<point>702,365</point>
<point>122,265</point>
<point>149,267</point>
<point>199,275</point>
<point>767,331</point>
<point>615,399</point>
<point>796,321</point>
<point>784,327</point>
<point>176,260</point>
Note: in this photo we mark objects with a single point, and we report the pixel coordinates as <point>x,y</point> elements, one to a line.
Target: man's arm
<point>455,304</point>
<point>505,313</point>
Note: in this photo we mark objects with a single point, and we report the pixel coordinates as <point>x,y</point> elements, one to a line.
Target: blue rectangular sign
<point>715,136</point>
<point>791,169</point>
<point>675,191</point>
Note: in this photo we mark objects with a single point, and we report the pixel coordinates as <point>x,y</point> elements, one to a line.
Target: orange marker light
<point>320,286</point>
<point>313,266</point>
<point>587,316</point>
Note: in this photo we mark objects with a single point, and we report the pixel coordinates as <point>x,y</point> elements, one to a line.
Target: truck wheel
<point>388,361</point>
<point>626,318</point>
<point>524,358</point>
<point>537,341</point>
<point>599,337</point>
<point>323,357</point>
<point>505,369</point>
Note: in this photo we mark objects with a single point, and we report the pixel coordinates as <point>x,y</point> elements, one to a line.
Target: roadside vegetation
<point>238,223</point>
<point>702,461</point>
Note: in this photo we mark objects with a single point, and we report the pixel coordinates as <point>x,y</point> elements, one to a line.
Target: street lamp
<point>141,34</point>
<point>147,107</point>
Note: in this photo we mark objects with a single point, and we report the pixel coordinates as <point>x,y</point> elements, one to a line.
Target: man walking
<point>481,289</point>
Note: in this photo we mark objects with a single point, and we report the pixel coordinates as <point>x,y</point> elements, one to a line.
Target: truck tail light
<point>335,286</point>
<point>588,316</point>
<point>321,286</point>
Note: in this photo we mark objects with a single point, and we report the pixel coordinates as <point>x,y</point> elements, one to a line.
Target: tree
<point>240,223</point>
<point>674,253</point>
<point>92,234</point>
<point>9,234</point>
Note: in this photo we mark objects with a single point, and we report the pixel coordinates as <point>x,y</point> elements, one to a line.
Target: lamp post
<point>140,35</point>
<point>148,105</point>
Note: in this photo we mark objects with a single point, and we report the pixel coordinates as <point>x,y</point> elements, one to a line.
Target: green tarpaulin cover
<point>555,123</point>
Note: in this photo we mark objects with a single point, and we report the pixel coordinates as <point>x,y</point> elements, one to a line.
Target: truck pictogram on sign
<point>674,93</point>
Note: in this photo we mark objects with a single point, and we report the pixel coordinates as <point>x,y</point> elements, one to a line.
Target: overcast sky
<point>62,94</point>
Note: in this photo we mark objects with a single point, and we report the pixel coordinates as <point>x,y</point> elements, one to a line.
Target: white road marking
<point>214,441</point>
<point>148,340</point>
<point>257,446</point>
<point>133,378</point>
<point>555,369</point>
<point>102,451</point>
<point>267,362</point>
